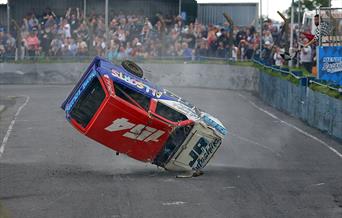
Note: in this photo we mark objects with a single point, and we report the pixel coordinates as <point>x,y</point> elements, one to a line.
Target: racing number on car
<point>202,151</point>
<point>197,150</point>
<point>138,132</point>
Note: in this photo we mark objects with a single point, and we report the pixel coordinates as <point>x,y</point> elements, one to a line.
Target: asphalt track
<point>270,165</point>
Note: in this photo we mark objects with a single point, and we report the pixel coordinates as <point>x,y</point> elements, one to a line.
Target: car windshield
<point>183,101</point>
<point>169,113</point>
<point>175,140</point>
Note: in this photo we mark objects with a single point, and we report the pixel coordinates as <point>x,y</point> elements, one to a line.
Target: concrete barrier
<point>41,73</point>
<point>316,109</point>
<point>179,75</point>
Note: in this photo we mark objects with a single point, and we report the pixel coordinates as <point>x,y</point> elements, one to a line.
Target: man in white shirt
<point>278,59</point>
<point>306,56</point>
<point>66,28</point>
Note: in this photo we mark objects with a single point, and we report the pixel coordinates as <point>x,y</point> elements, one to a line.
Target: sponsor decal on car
<point>109,84</point>
<point>140,85</point>
<point>202,151</point>
<point>213,122</point>
<point>138,132</point>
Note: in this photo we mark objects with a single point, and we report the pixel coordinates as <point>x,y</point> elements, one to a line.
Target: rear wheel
<point>132,67</point>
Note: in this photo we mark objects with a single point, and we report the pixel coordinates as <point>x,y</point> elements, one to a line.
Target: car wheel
<point>133,68</point>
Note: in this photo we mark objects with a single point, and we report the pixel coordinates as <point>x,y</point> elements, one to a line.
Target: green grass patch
<point>275,73</point>
<point>326,90</point>
<point>315,87</point>
<point>3,212</point>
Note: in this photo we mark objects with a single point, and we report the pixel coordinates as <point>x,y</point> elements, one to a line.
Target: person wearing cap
<point>266,53</point>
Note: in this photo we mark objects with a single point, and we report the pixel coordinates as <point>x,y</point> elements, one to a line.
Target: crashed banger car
<point>116,107</point>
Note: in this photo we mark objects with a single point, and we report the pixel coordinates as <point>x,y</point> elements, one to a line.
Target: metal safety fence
<point>298,75</point>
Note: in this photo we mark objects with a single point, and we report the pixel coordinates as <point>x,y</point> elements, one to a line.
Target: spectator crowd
<point>138,37</point>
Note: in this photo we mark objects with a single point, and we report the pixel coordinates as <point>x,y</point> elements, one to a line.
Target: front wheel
<point>132,67</point>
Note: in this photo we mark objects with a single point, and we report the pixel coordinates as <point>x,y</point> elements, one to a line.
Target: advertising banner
<point>329,63</point>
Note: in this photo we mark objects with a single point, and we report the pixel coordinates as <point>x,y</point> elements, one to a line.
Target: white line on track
<point>176,203</point>
<point>10,128</point>
<point>292,126</point>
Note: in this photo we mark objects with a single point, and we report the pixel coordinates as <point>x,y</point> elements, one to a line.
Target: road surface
<point>270,165</point>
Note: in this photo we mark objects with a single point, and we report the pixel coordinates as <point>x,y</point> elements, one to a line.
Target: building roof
<point>226,1</point>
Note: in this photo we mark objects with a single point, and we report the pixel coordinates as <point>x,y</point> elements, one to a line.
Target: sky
<point>269,7</point>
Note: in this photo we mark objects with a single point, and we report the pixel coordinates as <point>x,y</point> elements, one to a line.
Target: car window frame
<point>131,101</point>
<point>153,107</point>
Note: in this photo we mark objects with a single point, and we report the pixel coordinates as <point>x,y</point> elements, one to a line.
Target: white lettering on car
<point>138,132</point>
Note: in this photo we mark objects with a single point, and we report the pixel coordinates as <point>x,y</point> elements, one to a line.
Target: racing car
<point>115,106</point>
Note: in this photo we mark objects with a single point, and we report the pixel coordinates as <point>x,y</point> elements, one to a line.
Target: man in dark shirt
<point>322,29</point>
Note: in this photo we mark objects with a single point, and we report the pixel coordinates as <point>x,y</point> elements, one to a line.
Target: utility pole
<point>84,8</point>
<point>179,7</point>
<point>299,26</point>
<point>291,36</point>
<point>8,17</point>
<point>106,23</point>
<point>261,23</point>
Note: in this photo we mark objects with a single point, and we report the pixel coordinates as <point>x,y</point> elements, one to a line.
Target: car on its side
<point>116,107</point>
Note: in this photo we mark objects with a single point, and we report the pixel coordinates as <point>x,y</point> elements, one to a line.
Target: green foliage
<point>315,87</point>
<point>326,90</point>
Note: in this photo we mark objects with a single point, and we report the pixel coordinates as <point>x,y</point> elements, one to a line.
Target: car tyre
<point>133,68</point>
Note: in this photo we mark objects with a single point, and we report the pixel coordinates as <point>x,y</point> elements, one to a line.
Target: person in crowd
<point>56,46</point>
<point>82,32</point>
<point>65,26</point>
<point>267,36</point>
<point>306,56</point>
<point>45,39</point>
<point>135,36</point>
<point>267,53</point>
<point>99,45</point>
<point>2,44</point>
<point>322,29</point>
<point>10,46</point>
<point>82,47</point>
<point>278,59</point>
<point>32,44</point>
<point>113,52</point>
<point>240,35</point>
<point>187,52</point>
<point>122,55</point>
<point>242,49</point>
<point>221,50</point>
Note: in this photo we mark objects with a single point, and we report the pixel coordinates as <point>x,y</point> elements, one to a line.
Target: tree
<point>306,5</point>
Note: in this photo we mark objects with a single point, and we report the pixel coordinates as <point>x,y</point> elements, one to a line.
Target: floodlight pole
<point>299,28</point>
<point>179,7</point>
<point>8,16</point>
<point>84,8</point>
<point>261,23</point>
<point>291,37</point>
<point>106,23</point>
